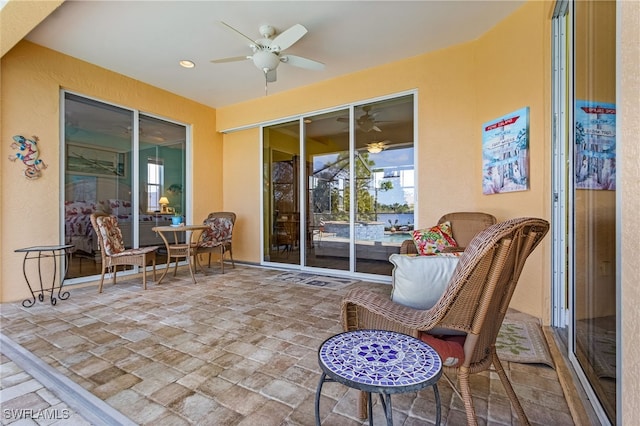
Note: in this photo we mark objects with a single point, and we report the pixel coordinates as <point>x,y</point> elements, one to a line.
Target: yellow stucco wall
<point>26,207</point>
<point>628,63</point>
<point>242,168</point>
<point>458,89</point>
<point>513,64</point>
<point>18,18</point>
<point>31,78</point>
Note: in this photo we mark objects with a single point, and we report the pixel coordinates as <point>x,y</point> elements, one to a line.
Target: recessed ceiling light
<point>187,64</point>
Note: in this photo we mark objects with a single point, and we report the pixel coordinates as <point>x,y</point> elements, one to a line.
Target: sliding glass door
<point>327,193</point>
<point>585,195</point>
<point>281,195</point>
<point>383,170</point>
<point>338,187</point>
<point>594,207</point>
<point>119,162</point>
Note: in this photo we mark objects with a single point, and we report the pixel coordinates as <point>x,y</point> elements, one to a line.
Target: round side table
<point>378,361</point>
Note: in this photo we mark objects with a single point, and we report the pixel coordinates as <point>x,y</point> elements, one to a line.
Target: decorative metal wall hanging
<point>29,154</point>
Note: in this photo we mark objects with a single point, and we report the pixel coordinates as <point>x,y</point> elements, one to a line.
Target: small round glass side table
<point>378,361</point>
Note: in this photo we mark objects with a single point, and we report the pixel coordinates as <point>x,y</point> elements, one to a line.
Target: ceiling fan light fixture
<point>185,63</point>
<point>265,60</point>
<point>268,51</point>
<point>375,147</point>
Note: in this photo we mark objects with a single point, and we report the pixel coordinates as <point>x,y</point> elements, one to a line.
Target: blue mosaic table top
<point>380,361</point>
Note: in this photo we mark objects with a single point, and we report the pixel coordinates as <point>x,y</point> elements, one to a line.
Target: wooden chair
<point>464,226</point>
<point>472,307</point>
<point>218,239</point>
<point>113,252</point>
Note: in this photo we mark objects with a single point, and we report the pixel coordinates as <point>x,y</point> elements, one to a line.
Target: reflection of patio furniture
<point>464,226</point>
<point>316,232</point>
<point>285,232</point>
<point>471,309</point>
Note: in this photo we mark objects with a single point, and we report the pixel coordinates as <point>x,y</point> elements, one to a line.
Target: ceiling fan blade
<point>287,38</point>
<point>245,38</point>
<point>299,61</point>
<point>271,76</point>
<point>376,128</point>
<point>233,59</point>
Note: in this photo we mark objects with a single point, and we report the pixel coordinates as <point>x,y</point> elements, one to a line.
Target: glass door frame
<point>563,292</point>
<point>302,187</point>
<point>134,167</point>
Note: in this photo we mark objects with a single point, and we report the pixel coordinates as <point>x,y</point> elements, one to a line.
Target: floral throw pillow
<point>434,240</point>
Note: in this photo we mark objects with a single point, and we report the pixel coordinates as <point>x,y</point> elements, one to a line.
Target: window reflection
<point>378,178</point>
<point>100,142</point>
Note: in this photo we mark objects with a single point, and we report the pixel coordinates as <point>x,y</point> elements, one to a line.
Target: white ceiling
<point>145,40</point>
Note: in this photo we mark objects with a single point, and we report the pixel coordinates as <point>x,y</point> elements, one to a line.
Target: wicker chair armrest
<point>453,249</point>
<point>408,247</point>
<point>364,309</point>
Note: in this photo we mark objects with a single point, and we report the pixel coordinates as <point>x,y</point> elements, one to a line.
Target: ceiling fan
<point>155,135</point>
<point>268,51</point>
<point>366,122</point>
<point>376,147</point>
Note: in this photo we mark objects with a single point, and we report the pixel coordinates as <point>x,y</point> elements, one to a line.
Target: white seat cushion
<point>419,281</point>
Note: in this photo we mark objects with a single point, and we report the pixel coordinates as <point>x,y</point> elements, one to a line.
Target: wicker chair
<point>474,305</point>
<point>218,238</point>
<point>464,225</point>
<point>113,252</point>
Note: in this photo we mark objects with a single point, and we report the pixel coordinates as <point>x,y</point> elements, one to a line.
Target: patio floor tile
<point>238,348</point>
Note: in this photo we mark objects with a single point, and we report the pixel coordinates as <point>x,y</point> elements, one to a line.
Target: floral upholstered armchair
<point>218,238</point>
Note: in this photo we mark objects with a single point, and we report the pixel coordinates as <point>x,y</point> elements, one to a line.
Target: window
<point>155,173</point>
<point>358,206</point>
<point>121,162</point>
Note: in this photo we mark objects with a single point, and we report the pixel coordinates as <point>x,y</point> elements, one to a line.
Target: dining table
<point>176,249</point>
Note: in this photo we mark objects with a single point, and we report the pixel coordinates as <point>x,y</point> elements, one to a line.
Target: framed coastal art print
<point>595,146</point>
<point>505,153</point>
<point>95,161</point>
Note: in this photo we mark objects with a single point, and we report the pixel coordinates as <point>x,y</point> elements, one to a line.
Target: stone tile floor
<point>23,397</point>
<point>234,349</point>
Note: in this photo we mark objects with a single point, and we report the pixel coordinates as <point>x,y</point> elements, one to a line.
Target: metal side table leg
<point>318,393</point>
